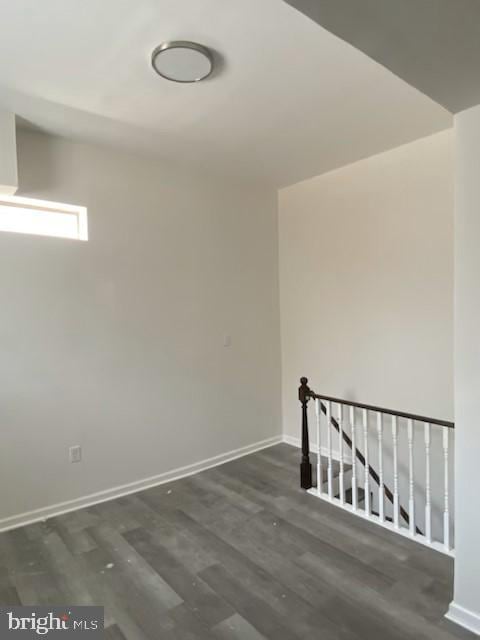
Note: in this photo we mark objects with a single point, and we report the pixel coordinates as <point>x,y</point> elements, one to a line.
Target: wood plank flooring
<point>234,553</point>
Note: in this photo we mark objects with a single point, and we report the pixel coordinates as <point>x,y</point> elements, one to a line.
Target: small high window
<point>42,218</point>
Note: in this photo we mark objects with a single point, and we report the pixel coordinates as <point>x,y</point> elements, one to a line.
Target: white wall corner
<point>463,617</point>
<point>8,154</point>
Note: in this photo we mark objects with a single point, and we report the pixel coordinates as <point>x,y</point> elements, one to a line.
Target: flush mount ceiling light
<point>182,61</point>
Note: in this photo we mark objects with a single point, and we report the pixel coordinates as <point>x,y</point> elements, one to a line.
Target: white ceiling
<point>289,101</point>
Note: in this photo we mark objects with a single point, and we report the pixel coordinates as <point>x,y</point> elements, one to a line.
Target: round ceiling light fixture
<point>182,61</point>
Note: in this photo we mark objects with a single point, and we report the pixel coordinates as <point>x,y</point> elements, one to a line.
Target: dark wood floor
<point>236,552</point>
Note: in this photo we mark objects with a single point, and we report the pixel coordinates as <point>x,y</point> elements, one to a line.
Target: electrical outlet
<point>75,453</point>
<point>227,340</point>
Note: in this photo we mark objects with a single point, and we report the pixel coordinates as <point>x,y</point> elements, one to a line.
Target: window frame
<point>47,206</point>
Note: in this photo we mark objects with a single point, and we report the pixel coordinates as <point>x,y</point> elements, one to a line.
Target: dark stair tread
<point>349,496</point>
<point>335,469</point>
<point>388,518</point>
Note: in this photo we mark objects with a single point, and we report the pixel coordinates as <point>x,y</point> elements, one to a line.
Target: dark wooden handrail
<point>305,394</point>
<point>391,412</point>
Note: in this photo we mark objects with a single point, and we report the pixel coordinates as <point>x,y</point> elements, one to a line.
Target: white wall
<point>366,294</point>
<point>117,344</point>
<point>8,154</point>
<point>466,608</point>
<point>366,281</point>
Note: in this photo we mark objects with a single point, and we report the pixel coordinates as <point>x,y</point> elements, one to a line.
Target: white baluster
<point>396,505</point>
<point>367,467</point>
<point>329,450</point>
<point>428,497</point>
<point>411,482</point>
<point>340,452</point>
<point>354,459</point>
<point>446,512</point>
<point>381,502</point>
<point>318,413</point>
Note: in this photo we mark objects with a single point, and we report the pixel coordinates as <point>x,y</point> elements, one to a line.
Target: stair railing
<point>402,520</point>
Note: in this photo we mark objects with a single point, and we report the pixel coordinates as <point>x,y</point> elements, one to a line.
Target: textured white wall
<point>467,367</point>
<point>117,344</point>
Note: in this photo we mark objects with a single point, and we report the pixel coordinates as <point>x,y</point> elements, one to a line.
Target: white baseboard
<point>465,618</point>
<point>296,442</point>
<point>37,515</point>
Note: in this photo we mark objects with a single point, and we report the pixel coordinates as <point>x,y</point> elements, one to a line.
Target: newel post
<point>305,466</point>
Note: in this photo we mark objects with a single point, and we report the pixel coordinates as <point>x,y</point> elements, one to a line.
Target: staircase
<point>347,479</point>
<point>348,492</point>
<point>397,491</point>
